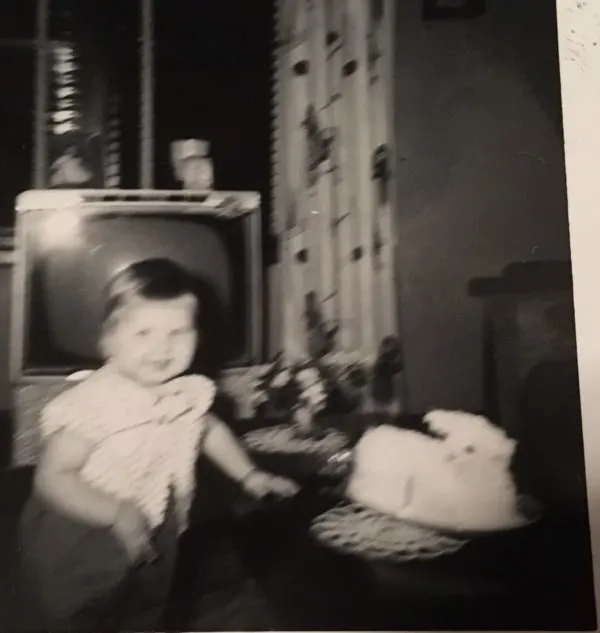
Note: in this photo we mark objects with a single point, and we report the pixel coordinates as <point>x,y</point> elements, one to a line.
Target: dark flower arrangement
<point>326,382</point>
<point>314,384</point>
<point>285,387</point>
<point>386,367</point>
<point>326,385</point>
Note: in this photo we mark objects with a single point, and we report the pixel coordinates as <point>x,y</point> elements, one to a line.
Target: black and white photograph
<point>288,337</point>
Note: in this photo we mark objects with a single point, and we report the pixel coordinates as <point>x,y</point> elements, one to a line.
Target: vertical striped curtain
<point>333,199</point>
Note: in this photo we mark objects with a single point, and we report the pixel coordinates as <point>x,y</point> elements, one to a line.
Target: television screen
<point>70,257</point>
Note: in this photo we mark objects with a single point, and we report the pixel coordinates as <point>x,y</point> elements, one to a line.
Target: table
<point>535,578</point>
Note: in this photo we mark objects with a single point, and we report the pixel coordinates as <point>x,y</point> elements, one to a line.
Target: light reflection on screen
<point>72,257</point>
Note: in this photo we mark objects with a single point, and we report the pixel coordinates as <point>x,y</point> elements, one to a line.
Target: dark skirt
<point>79,578</point>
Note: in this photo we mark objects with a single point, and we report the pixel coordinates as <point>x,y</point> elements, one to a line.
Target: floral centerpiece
<point>326,381</point>
<point>286,387</point>
<point>301,390</point>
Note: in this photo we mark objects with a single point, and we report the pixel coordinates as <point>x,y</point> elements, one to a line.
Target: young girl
<point>114,484</point>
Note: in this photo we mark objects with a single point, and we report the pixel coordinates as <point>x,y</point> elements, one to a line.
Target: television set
<point>71,242</point>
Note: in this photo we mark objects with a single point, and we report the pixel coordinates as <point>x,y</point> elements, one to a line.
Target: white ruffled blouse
<point>145,443</point>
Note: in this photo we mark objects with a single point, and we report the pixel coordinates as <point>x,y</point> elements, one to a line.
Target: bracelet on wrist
<point>247,476</point>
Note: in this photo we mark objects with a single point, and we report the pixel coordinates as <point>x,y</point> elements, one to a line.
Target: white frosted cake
<point>460,479</point>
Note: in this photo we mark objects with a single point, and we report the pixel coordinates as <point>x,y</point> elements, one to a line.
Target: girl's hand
<point>133,532</point>
<point>261,484</point>
<point>183,506</point>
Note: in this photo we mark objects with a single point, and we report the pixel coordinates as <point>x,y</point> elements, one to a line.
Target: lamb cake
<point>459,478</point>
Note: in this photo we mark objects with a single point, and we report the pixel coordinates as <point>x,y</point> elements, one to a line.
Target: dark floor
<point>249,566</point>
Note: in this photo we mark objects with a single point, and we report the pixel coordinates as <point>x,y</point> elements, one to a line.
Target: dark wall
<point>5,290</point>
<point>480,178</point>
<point>17,62</point>
<point>213,80</point>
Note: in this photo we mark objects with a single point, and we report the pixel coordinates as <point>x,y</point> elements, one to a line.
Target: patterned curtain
<point>333,196</point>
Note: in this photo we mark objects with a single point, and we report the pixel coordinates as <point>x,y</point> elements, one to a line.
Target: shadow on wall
<point>480,179</point>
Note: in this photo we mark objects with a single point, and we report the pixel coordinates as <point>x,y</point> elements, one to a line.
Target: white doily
<point>283,439</point>
<point>353,529</point>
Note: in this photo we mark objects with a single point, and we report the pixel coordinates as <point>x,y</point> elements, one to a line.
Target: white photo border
<point>579,51</point>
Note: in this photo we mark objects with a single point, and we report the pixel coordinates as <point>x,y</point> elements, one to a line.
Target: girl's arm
<point>58,480</point>
<point>223,448</point>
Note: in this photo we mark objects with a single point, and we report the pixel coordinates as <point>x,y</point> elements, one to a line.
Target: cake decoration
<point>457,478</point>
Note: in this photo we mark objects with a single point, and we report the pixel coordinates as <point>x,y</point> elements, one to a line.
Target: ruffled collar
<point>168,401</point>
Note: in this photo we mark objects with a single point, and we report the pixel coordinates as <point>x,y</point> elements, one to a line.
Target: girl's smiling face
<point>153,341</point>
